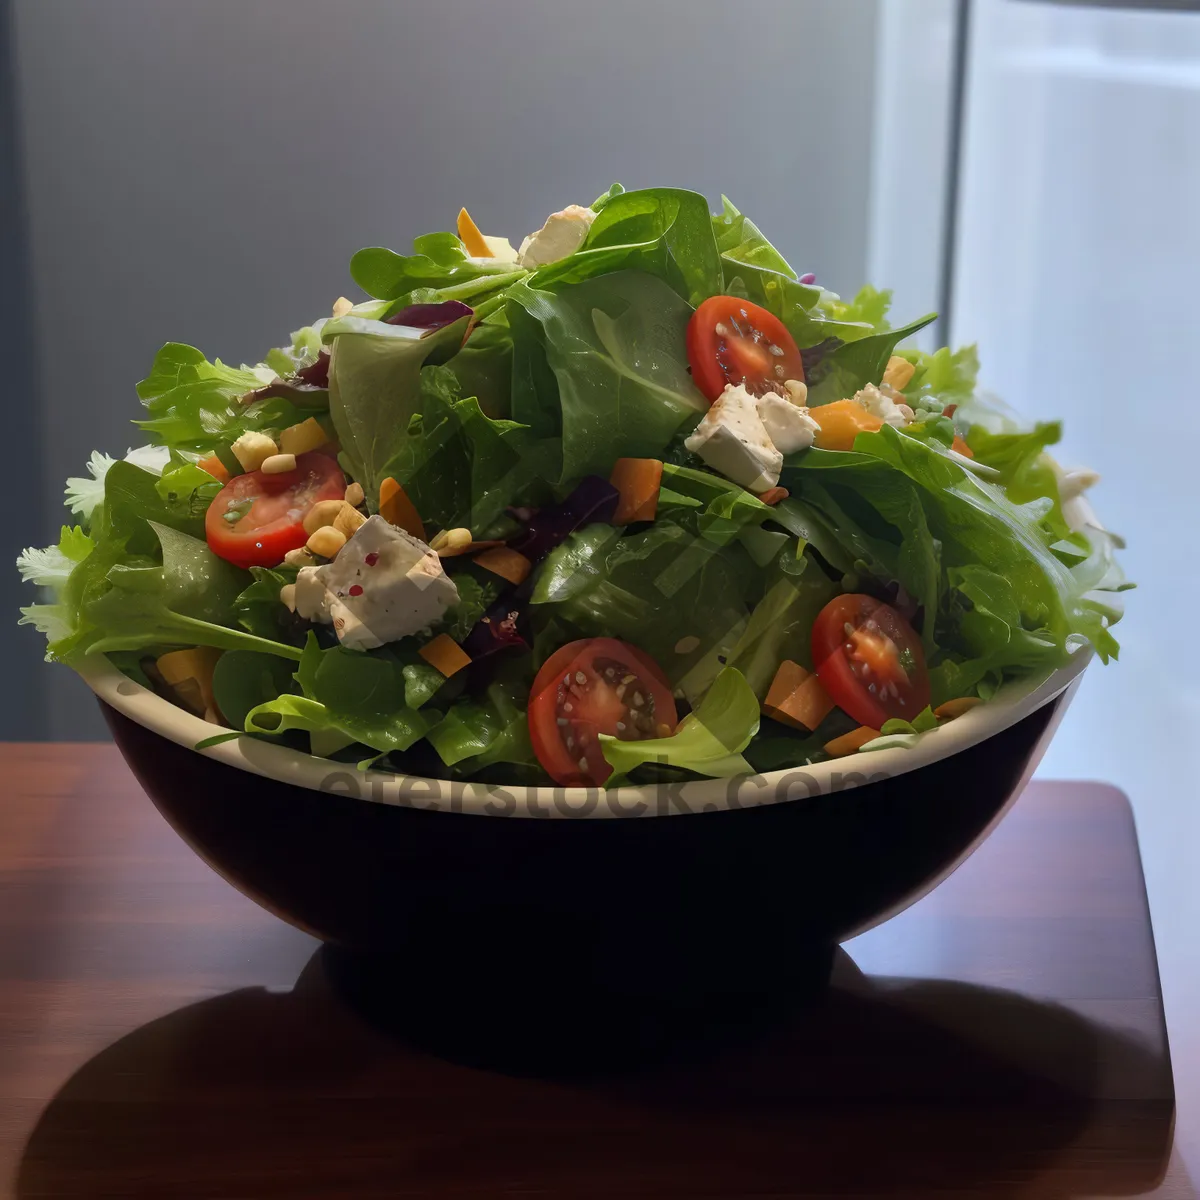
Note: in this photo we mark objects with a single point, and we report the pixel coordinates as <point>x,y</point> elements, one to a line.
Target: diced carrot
<point>841,422</point>
<point>774,495</point>
<point>507,563</point>
<point>962,447</point>
<point>797,698</point>
<point>444,654</point>
<point>848,743</point>
<point>396,508</point>
<point>637,481</point>
<point>471,237</point>
<point>956,708</point>
<point>215,467</point>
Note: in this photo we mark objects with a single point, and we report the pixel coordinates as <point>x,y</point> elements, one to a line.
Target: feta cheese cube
<point>733,440</point>
<point>788,425</point>
<point>384,585</point>
<point>562,234</point>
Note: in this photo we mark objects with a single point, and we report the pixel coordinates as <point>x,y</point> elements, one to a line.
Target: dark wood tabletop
<point>162,1036</point>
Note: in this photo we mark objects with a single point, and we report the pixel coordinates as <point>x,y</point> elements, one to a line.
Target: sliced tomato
<point>590,687</point>
<point>733,341</point>
<point>869,659</point>
<point>255,519</point>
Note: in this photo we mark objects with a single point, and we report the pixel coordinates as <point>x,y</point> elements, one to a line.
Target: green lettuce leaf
<point>244,679</point>
<point>840,373</point>
<point>258,609</point>
<point>490,729</point>
<point>615,346</point>
<point>375,387</point>
<point>663,232</point>
<point>869,308</point>
<point>438,261</point>
<point>1022,612</point>
<point>194,404</point>
<point>780,627</point>
<point>945,376</point>
<point>188,601</point>
<point>348,697</point>
<point>678,597</point>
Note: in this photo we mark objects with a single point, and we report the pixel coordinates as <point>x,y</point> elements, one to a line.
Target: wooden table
<point>161,1036</point>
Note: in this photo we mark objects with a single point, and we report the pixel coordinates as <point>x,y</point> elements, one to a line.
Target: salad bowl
<point>804,858</point>
<point>624,594</point>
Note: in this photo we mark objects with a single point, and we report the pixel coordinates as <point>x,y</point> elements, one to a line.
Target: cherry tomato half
<point>590,687</point>
<point>869,659</point>
<point>733,341</point>
<point>255,519</point>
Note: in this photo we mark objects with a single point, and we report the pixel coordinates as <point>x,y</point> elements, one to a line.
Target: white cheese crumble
<point>880,404</point>
<point>790,426</point>
<point>732,439</point>
<point>384,585</point>
<point>562,234</point>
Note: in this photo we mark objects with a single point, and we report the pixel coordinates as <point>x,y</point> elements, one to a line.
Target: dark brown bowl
<point>372,861</point>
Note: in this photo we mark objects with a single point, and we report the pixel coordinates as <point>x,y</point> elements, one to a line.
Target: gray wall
<point>201,170</point>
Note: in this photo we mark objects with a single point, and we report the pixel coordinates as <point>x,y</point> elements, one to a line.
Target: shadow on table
<point>371,1080</point>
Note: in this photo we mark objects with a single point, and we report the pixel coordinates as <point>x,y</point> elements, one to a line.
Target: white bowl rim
<point>1012,703</point>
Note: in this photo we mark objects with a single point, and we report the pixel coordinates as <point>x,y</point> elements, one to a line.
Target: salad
<point>635,501</point>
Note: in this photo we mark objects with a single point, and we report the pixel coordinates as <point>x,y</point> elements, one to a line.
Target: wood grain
<point>161,1036</point>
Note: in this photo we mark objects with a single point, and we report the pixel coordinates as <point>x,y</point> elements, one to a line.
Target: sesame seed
<point>568,707</point>
<point>580,677</point>
<point>620,726</point>
<point>627,679</point>
<point>686,645</point>
<point>563,722</point>
<point>849,629</point>
<point>637,700</point>
<point>583,764</point>
<point>776,350</point>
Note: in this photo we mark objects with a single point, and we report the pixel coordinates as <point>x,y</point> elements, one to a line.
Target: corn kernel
<point>341,306</point>
<point>355,494</point>
<point>253,449</point>
<point>301,438</point>
<point>287,596</point>
<point>348,519</point>
<point>327,541</point>
<point>324,512</point>
<point>451,541</point>
<point>299,558</point>
<point>278,464</point>
<point>898,372</point>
